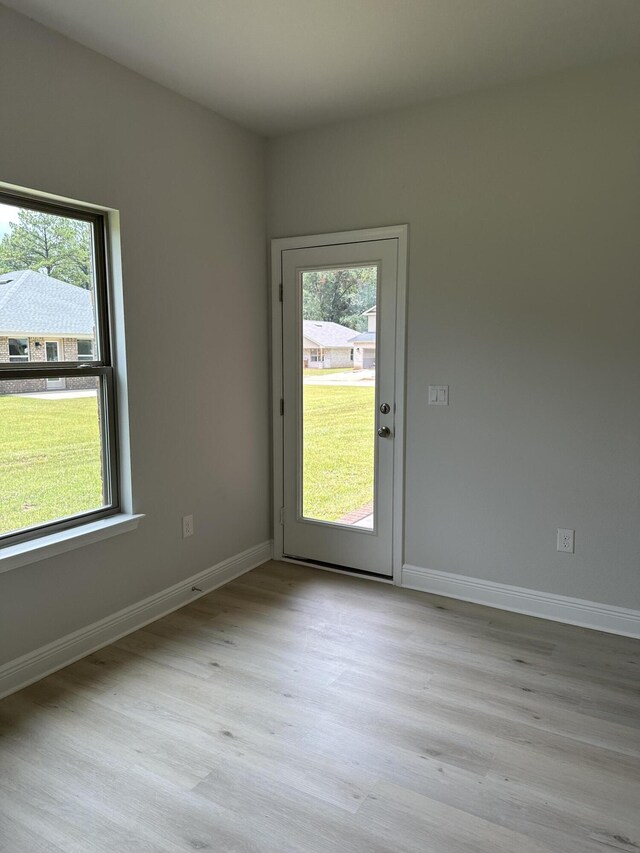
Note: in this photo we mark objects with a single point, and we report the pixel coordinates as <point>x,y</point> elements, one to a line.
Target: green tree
<point>339,296</point>
<point>55,245</point>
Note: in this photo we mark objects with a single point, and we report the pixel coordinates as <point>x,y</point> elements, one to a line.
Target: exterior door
<point>338,422</point>
<point>52,351</point>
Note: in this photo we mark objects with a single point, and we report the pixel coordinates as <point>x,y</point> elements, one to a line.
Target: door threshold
<point>341,570</point>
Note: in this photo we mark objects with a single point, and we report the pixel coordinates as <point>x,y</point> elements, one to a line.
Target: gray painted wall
<point>190,189</point>
<point>523,204</point>
<point>524,296</point>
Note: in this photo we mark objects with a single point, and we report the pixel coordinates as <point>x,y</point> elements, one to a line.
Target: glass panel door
<point>338,379</point>
<point>52,350</point>
<point>338,347</point>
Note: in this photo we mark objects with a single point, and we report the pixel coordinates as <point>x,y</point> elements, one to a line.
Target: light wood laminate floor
<point>295,709</point>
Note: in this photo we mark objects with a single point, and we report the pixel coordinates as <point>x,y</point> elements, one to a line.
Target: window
<point>85,350</point>
<point>58,443</point>
<point>314,355</point>
<point>18,350</point>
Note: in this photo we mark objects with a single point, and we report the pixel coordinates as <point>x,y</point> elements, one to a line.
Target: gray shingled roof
<point>363,337</point>
<point>37,304</point>
<point>326,334</point>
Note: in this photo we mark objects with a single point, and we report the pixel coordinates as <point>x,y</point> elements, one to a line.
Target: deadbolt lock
<point>385,408</point>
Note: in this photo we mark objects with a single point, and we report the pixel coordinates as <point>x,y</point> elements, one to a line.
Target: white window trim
<point>33,550</point>
<point>40,548</point>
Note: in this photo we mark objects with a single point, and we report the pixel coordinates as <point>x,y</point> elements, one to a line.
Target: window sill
<point>23,553</point>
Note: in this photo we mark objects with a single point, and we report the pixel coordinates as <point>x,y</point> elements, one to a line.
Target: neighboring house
<point>44,319</point>
<point>364,344</point>
<point>326,344</point>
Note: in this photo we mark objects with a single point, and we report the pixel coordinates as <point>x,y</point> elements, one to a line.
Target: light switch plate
<point>438,395</point>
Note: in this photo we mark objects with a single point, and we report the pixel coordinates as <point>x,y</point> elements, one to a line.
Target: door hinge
<point>282,515</point>
<point>281,406</point>
<point>280,291</point>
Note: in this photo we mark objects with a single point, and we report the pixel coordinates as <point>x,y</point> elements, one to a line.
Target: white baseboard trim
<point>41,662</point>
<point>546,605</point>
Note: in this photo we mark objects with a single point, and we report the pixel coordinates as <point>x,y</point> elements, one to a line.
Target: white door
<point>52,351</point>
<point>338,423</point>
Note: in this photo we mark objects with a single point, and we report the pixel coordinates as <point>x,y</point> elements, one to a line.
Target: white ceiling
<point>281,65</point>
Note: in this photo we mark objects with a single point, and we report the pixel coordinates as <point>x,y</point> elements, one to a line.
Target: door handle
<point>384,432</point>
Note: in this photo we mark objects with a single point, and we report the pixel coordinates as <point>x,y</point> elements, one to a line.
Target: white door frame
<point>401,234</point>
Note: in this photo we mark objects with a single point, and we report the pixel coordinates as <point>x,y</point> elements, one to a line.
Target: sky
<point>7,214</point>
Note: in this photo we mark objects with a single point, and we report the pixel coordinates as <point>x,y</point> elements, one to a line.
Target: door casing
<point>400,233</point>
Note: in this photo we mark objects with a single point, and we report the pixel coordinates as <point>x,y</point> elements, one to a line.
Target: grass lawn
<point>50,464</point>
<point>338,450</point>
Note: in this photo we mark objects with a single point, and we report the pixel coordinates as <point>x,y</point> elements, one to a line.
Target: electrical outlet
<point>565,540</point>
<point>187,526</point>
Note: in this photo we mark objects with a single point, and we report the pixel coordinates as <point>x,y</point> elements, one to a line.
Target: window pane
<point>50,450</point>
<point>18,349</point>
<point>47,285</point>
<point>338,392</point>
<point>85,350</point>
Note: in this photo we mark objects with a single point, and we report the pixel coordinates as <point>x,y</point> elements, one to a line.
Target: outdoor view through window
<point>338,381</point>
<point>52,435</point>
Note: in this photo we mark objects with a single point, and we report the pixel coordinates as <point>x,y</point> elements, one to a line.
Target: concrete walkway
<point>59,395</point>
<point>348,379</point>
<point>367,522</point>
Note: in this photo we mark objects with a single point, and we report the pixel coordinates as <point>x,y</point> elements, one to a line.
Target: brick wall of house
<point>70,349</point>
<point>37,349</point>
<point>19,386</point>
<point>338,357</point>
<point>38,352</point>
<point>81,383</point>
<point>334,357</point>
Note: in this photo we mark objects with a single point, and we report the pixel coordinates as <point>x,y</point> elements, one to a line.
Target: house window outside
<point>66,473</point>
<point>314,355</point>
<point>85,350</point>
<point>18,350</point>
